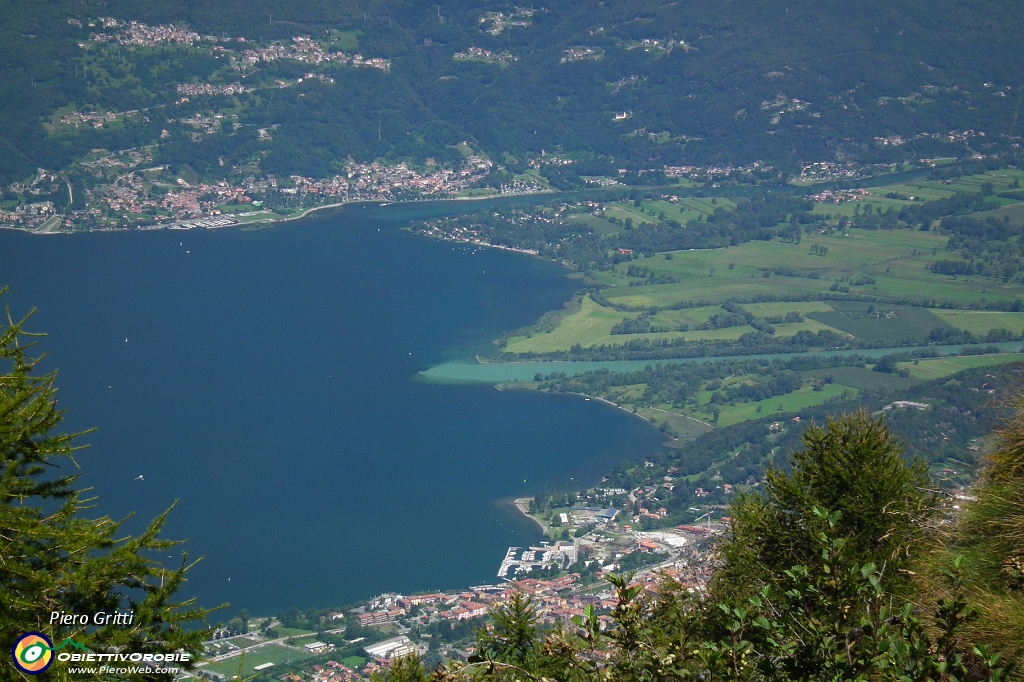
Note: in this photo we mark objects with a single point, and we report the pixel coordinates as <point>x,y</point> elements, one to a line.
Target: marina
<point>518,562</point>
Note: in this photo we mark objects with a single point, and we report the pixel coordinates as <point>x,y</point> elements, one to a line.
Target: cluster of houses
<point>137,33</point>
<point>301,48</point>
<point>130,200</point>
<point>952,136</point>
<point>43,182</point>
<point>838,197</point>
<point>655,45</point>
<point>308,51</point>
<point>825,171</point>
<point>555,601</point>
<point>192,90</point>
<point>378,182</point>
<point>485,55</point>
<point>95,119</point>
<point>117,161</point>
<point>579,54</point>
<point>496,22</point>
<point>433,607</point>
<point>332,671</point>
<point>709,172</point>
<point>127,197</point>
<point>27,216</point>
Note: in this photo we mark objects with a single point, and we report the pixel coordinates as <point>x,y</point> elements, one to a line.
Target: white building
<point>318,647</point>
<point>395,647</point>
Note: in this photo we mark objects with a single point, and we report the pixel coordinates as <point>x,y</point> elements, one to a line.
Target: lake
<point>264,379</point>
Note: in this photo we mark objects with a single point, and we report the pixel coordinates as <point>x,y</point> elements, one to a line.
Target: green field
<point>935,368</point>
<point>792,402</point>
<point>891,267</point>
<point>695,418</point>
<point>1014,212</point>
<point>685,427</point>
<point>879,263</point>
<point>864,378</point>
<point>682,211</point>
<point>980,321</point>
<point>889,323</point>
<point>766,309</point>
<point>592,325</point>
<point>282,631</point>
<point>896,260</point>
<point>271,653</point>
<point>596,223</point>
<point>927,190</point>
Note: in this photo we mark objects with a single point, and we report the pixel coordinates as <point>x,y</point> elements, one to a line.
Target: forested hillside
<point>638,84</point>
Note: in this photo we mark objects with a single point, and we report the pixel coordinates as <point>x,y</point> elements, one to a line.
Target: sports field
<point>271,653</point>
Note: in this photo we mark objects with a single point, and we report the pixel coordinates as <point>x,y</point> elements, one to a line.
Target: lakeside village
<point>588,535</point>
<point>131,191</point>
<point>586,539</point>
<point>146,198</point>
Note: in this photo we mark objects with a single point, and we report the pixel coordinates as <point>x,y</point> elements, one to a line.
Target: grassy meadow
<point>936,368</point>
<point>889,264</point>
<point>926,190</point>
<point>695,419</point>
<point>791,402</point>
<point>680,209</point>
<point>892,265</point>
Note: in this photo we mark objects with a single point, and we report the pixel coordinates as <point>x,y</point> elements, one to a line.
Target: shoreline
<point>306,213</point>
<point>883,179</point>
<point>522,505</point>
<point>505,386</point>
<point>384,202</point>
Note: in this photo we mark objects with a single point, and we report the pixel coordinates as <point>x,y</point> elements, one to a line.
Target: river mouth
<point>468,371</point>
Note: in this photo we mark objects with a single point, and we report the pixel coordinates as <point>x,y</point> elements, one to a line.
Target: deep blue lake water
<point>264,380</point>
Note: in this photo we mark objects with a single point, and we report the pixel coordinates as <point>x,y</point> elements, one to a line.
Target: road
<point>51,226</point>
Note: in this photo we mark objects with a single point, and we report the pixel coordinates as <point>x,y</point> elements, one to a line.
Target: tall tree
<point>853,466</point>
<point>512,636</point>
<point>58,558</point>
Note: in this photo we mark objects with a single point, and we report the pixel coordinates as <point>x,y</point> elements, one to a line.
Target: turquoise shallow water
<point>468,372</point>
<point>264,379</point>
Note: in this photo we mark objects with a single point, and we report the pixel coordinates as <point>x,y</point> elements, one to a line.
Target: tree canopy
<point>699,82</point>
<point>57,556</point>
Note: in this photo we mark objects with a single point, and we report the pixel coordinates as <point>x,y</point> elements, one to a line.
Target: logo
<point>32,653</point>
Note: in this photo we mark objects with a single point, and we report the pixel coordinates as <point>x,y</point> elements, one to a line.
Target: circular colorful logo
<point>32,653</point>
